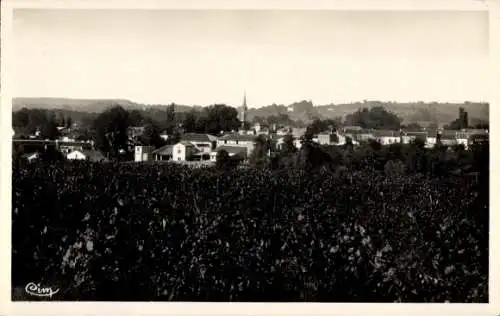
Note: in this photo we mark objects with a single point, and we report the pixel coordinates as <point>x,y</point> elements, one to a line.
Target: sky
<point>202,57</point>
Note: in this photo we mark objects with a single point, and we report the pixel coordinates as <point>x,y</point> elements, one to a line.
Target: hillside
<point>82,105</point>
<point>306,111</point>
<point>418,112</point>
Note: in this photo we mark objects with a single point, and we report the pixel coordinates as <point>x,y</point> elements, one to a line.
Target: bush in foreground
<point>164,232</point>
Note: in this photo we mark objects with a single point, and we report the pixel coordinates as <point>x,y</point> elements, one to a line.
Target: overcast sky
<point>203,57</point>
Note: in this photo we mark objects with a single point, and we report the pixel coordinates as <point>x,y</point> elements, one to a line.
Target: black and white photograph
<point>250,155</point>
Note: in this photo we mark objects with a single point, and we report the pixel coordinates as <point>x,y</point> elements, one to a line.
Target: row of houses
<point>429,137</point>
<point>205,147</point>
<point>201,147</point>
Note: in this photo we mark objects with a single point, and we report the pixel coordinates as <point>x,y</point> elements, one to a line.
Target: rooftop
<point>164,151</point>
<point>385,133</point>
<point>193,137</point>
<point>238,137</point>
<point>232,149</point>
<point>186,143</point>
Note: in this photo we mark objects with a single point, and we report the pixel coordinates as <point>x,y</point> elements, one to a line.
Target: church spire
<point>244,111</point>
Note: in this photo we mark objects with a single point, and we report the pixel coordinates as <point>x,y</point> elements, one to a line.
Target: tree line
<point>109,129</point>
<point>399,159</point>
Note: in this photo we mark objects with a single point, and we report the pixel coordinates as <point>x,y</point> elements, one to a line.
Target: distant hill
<point>418,112</point>
<point>306,111</point>
<point>82,105</point>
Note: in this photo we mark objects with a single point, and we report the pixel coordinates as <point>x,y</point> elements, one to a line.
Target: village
<point>195,147</point>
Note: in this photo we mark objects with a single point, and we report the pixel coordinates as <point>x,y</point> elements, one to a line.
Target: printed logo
<point>37,290</point>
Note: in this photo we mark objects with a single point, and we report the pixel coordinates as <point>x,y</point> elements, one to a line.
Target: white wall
<point>387,140</point>
<point>324,139</point>
<point>463,141</point>
<point>179,152</point>
<point>76,155</point>
<point>138,154</point>
<point>213,156</point>
<point>430,142</point>
<point>205,147</point>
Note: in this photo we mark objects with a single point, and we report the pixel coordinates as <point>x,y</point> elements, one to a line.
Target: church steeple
<point>244,111</point>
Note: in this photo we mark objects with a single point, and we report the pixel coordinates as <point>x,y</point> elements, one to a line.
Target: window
<point>179,151</point>
<point>179,158</point>
<point>236,142</point>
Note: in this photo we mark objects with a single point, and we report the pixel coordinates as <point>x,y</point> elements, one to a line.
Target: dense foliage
<point>166,232</point>
<point>376,117</point>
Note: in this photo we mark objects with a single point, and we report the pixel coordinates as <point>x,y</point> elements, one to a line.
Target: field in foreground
<point>164,232</point>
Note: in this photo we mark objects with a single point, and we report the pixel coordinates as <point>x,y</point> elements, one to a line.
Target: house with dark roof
<point>238,140</point>
<point>163,153</point>
<point>203,142</point>
<point>66,146</point>
<point>233,151</point>
<point>280,141</point>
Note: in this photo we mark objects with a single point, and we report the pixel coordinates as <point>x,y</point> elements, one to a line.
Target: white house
<point>463,138</point>
<point>163,153</point>
<point>324,138</point>
<point>183,151</point>
<point>66,147</point>
<point>408,137</point>
<point>280,141</point>
<point>143,153</point>
<point>357,134</point>
<point>283,131</point>
<point>298,143</point>
<point>430,141</point>
<point>387,137</point>
<point>205,143</point>
<point>92,155</point>
<point>463,141</point>
<point>247,141</point>
<point>76,155</point>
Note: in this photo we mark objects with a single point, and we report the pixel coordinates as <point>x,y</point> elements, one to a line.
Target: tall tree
<point>111,131</point>
<point>49,129</point>
<point>260,153</point>
<point>223,161</point>
<point>170,119</point>
<point>288,148</point>
<point>189,121</point>
<point>69,122</point>
<point>151,135</point>
<point>377,118</point>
